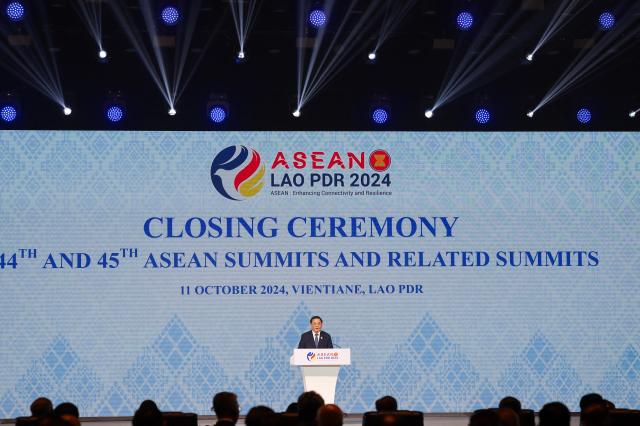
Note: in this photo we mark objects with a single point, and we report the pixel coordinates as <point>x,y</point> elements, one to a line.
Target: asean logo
<point>237,172</point>
<point>311,356</point>
<point>379,160</point>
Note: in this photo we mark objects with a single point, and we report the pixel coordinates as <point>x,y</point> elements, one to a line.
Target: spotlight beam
<point>393,17</point>
<point>562,16</point>
<point>335,57</point>
<point>242,25</point>
<point>170,84</point>
<point>632,114</point>
<point>91,15</point>
<point>588,63</point>
<point>37,66</point>
<point>483,55</point>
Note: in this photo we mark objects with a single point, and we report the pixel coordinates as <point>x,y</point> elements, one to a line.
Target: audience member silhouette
<point>292,408</point>
<point>329,415</point>
<point>511,402</point>
<point>590,399</point>
<point>308,405</point>
<point>484,417</point>
<point>67,408</point>
<point>147,414</point>
<point>554,414</point>
<point>507,417</point>
<point>225,405</point>
<point>594,415</point>
<point>387,403</point>
<point>41,407</point>
<point>261,416</point>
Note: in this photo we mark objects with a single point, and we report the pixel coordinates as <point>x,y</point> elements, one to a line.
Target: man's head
<point>261,416</point>
<point>66,408</point>
<point>484,417</point>
<point>147,414</point>
<point>590,399</point>
<point>316,323</point>
<point>508,417</point>
<point>511,402</point>
<point>292,408</point>
<point>554,414</point>
<point>41,407</point>
<point>225,405</point>
<point>308,405</point>
<point>387,403</point>
<point>329,415</point>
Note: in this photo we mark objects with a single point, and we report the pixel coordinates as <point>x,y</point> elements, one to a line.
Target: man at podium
<point>315,338</point>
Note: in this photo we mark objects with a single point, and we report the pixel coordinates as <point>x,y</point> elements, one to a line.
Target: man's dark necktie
<point>316,339</point>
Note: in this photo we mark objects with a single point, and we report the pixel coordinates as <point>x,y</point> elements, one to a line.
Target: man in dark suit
<point>315,338</point>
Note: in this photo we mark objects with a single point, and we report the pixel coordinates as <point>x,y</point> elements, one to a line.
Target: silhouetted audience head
<point>292,408</point>
<point>589,400</point>
<point>511,402</point>
<point>41,407</point>
<point>329,415</point>
<point>66,408</point>
<point>225,405</point>
<point>554,414</point>
<point>308,405</point>
<point>149,405</point>
<point>147,414</point>
<point>387,403</point>
<point>484,417</point>
<point>609,405</point>
<point>594,415</point>
<point>507,417</point>
<point>261,416</point>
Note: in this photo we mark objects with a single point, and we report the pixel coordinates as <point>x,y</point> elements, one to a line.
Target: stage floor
<point>444,419</point>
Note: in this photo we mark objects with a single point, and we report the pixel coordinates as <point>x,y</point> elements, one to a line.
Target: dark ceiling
<point>408,74</point>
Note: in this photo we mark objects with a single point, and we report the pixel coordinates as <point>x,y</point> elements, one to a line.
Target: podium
<point>320,368</point>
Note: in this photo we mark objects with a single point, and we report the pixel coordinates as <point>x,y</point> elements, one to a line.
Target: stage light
<point>217,114</point>
<point>8,113</point>
<point>241,55</point>
<point>464,20</point>
<point>607,20</point>
<point>583,115</point>
<point>15,11</point>
<point>372,56</point>
<point>172,111</point>
<point>67,111</point>
<point>530,57</point>
<point>317,18</point>
<point>632,114</point>
<point>102,54</point>
<point>530,114</point>
<point>170,15</point>
<point>483,116</point>
<point>428,113</point>
<point>115,113</point>
<point>380,115</point>
<point>297,113</point>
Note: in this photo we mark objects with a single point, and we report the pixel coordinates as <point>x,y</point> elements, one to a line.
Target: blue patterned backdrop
<point>109,340</point>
